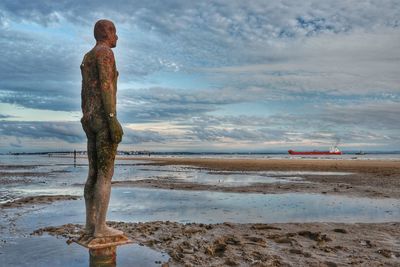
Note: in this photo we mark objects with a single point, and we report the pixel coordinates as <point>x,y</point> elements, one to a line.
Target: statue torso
<point>92,107</point>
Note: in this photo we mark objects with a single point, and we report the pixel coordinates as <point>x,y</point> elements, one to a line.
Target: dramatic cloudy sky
<point>217,75</point>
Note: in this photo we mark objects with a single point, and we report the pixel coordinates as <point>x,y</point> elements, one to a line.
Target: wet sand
<point>378,167</point>
<point>35,200</point>
<point>290,244</point>
<point>368,178</point>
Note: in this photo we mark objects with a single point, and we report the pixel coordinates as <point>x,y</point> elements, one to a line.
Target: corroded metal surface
<point>103,242</point>
<point>99,121</point>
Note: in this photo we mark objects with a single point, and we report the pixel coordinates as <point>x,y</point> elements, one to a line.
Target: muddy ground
<point>289,244</point>
<point>36,200</point>
<point>368,178</point>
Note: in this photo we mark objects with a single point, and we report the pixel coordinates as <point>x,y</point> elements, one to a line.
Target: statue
<point>103,131</point>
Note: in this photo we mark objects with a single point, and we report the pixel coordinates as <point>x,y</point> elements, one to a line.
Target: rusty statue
<point>103,131</point>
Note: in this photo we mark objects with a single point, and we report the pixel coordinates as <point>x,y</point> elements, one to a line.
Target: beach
<point>371,178</point>
<point>212,211</point>
<point>230,244</point>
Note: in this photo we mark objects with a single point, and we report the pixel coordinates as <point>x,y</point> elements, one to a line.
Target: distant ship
<point>333,151</point>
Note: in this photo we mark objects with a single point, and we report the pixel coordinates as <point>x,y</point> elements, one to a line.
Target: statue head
<point>105,32</point>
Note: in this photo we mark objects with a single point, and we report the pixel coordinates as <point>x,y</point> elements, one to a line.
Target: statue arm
<point>105,65</point>
<point>83,99</point>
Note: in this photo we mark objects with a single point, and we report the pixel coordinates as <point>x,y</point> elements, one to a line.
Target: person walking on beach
<point>99,121</point>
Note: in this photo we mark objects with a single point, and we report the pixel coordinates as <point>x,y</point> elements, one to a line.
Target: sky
<point>222,76</point>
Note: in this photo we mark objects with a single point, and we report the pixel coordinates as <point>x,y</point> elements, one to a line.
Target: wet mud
<point>366,178</point>
<point>35,200</point>
<point>289,244</point>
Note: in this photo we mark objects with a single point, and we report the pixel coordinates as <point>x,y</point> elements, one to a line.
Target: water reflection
<point>103,257</point>
<point>140,204</point>
<point>33,175</point>
<point>32,251</point>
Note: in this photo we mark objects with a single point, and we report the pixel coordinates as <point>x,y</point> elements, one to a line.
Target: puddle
<point>33,175</point>
<point>51,251</point>
<point>11,193</point>
<point>61,179</point>
<point>236,179</point>
<point>219,178</point>
<point>141,204</point>
<point>201,176</point>
<point>215,207</point>
<point>283,173</point>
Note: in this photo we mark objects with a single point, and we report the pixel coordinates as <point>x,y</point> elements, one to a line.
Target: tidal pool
<point>141,204</point>
<point>52,176</point>
<point>51,251</point>
<point>33,175</point>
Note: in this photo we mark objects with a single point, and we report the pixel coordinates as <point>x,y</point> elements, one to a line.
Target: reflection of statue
<point>103,131</point>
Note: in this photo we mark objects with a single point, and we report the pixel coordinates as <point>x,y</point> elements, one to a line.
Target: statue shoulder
<point>104,52</point>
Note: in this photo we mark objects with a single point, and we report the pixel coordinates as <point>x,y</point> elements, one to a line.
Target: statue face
<point>113,38</point>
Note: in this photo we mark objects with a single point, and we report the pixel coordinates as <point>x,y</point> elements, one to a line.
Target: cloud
<point>220,33</point>
<point>217,134</point>
<point>39,71</point>
<point>320,70</point>
<point>142,136</point>
<point>160,103</point>
<point>156,104</point>
<point>377,124</point>
<point>359,64</point>
<point>233,17</point>
<point>367,123</point>
<point>42,100</point>
<point>383,115</point>
<point>67,131</point>
<point>328,44</point>
<point>5,116</point>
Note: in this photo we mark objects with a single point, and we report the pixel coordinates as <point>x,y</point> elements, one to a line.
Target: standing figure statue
<point>103,131</point>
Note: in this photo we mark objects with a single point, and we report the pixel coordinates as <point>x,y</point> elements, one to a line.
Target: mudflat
<point>35,200</point>
<point>384,167</point>
<point>258,244</point>
<point>366,178</point>
<point>289,244</point>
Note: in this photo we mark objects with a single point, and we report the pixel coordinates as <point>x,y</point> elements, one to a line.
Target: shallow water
<point>38,175</point>
<point>141,204</point>
<point>346,156</point>
<point>50,251</point>
<point>51,176</point>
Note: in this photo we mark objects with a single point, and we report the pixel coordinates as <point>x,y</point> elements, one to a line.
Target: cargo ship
<point>333,151</point>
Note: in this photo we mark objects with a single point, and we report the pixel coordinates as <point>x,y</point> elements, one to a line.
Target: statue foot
<point>107,231</point>
<point>88,231</point>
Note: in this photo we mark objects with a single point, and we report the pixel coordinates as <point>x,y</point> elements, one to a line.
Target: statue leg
<point>106,152</point>
<point>90,186</point>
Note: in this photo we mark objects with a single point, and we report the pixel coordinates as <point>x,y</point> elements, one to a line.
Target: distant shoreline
<point>366,178</point>
<point>183,153</point>
<point>291,164</point>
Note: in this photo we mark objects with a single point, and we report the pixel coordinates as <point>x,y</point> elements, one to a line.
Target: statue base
<point>103,242</point>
